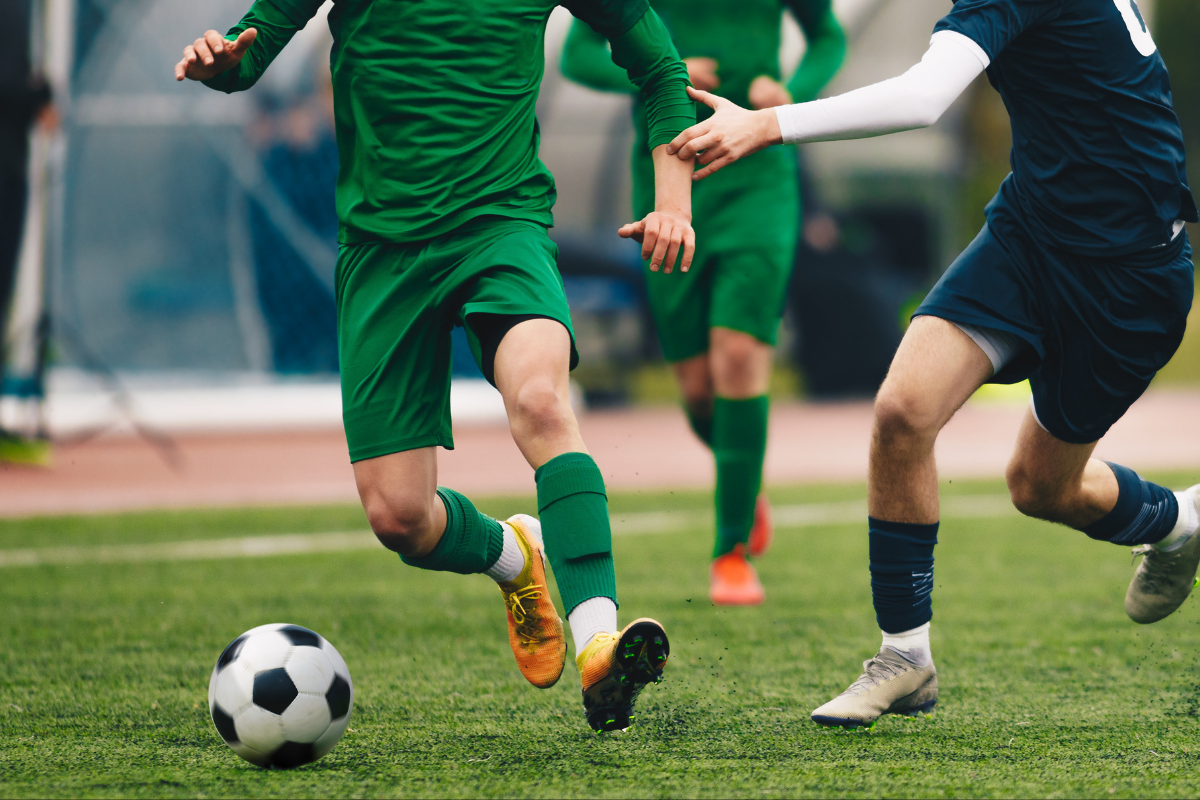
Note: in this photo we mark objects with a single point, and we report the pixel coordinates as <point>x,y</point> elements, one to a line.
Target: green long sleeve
<point>276,25</point>
<point>825,53</point>
<point>587,59</point>
<point>648,55</point>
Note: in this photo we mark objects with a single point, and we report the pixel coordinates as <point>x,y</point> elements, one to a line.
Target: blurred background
<point>176,263</point>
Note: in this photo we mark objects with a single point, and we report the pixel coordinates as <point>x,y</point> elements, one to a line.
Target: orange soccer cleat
<point>734,581</point>
<point>614,668</point>
<point>535,631</point>
<point>764,527</point>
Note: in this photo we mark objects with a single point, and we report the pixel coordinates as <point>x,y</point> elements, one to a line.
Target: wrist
<point>769,131</point>
<point>674,209</point>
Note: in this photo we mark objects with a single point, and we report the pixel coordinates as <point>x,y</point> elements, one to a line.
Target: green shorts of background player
<point>718,327</point>
<point>444,208</point>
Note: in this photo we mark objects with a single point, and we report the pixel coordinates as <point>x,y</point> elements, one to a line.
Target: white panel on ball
<point>259,729</point>
<point>310,669</point>
<point>306,718</point>
<point>263,651</point>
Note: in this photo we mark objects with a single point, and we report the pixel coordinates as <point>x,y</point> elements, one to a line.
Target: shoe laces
<point>877,670</point>
<point>526,624</point>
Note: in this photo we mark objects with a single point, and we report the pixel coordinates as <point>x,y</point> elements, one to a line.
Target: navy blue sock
<point>902,573</point>
<point>1145,512</point>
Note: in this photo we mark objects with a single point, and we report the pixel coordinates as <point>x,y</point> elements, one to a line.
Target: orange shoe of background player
<point>734,581</point>
<point>764,527</point>
<point>535,631</point>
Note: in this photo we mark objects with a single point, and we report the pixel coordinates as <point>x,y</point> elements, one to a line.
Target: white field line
<point>638,524</point>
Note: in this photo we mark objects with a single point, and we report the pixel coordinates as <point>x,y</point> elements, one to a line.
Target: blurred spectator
<point>24,100</point>
<point>295,138</point>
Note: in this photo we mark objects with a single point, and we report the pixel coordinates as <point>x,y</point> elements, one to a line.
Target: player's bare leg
<point>1058,481</point>
<point>725,393</point>
<point>532,363</point>
<point>935,370</point>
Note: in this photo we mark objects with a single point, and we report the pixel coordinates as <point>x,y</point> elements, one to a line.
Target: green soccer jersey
<point>742,36</point>
<point>434,102</point>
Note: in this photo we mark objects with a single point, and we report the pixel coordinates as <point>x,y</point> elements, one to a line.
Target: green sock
<point>739,444</point>
<point>575,528</point>
<point>701,426</point>
<point>472,542</point>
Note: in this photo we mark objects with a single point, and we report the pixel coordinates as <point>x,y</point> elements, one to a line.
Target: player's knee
<point>402,525</point>
<point>537,407</point>
<point>902,418</point>
<point>1032,497</point>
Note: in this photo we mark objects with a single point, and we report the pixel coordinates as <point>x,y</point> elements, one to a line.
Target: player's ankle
<point>512,559</point>
<point>1186,524</point>
<point>592,616</point>
<point>912,644</point>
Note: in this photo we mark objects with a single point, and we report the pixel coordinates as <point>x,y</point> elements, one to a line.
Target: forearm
<point>646,53</point>
<point>672,182</point>
<point>916,99</point>
<point>823,58</point>
<point>586,59</point>
<point>275,27</point>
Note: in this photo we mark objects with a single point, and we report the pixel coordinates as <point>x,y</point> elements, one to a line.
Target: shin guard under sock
<point>1145,512</point>
<point>901,573</point>
<point>575,528</point>
<point>471,543</point>
<point>739,445</point>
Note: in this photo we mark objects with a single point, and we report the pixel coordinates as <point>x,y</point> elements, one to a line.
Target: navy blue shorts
<point>1098,329</point>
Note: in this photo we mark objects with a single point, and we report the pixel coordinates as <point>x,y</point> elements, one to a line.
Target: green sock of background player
<point>739,443</point>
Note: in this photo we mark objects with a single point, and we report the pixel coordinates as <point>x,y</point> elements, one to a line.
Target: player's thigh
<point>1044,466</point>
<point>935,369</point>
<point>394,350</point>
<point>534,352</point>
<point>1114,323</point>
<point>513,279</point>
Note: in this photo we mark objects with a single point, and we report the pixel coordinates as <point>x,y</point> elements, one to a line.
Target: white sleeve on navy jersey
<point>916,99</point>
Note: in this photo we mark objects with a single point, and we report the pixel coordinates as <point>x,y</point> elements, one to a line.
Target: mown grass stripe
<point>633,524</point>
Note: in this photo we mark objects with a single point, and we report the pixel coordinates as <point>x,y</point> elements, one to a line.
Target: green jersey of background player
<point>718,327</point>
<point>444,206</point>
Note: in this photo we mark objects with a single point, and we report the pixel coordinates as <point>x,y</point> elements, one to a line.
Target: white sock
<point>1186,524</point>
<point>592,616</point>
<point>914,644</point>
<point>511,561</point>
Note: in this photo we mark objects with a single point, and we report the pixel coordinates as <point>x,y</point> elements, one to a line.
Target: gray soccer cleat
<point>1163,580</point>
<point>890,684</point>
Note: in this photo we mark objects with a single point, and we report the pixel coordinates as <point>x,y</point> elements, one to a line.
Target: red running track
<point>636,448</point>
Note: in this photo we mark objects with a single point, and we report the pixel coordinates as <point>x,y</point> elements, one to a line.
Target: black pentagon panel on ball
<point>224,724</point>
<point>274,690</point>
<point>231,652</point>
<point>300,637</point>
<point>292,754</point>
<point>338,697</point>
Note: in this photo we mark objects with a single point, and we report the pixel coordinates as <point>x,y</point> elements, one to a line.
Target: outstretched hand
<point>665,236</point>
<point>730,133</point>
<point>211,54</point>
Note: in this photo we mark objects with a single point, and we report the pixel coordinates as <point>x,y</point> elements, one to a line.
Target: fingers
<point>632,230</point>
<point>203,52</point>
<point>694,147</point>
<point>723,161</point>
<point>650,228</point>
<point>244,40</point>
<point>689,249</point>
<point>682,139</point>
<point>675,242</point>
<point>216,43</point>
<point>701,96</point>
<point>661,244</point>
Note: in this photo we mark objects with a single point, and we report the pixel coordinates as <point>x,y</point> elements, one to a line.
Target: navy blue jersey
<point>1097,157</point>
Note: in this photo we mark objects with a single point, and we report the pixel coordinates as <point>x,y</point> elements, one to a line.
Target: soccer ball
<point>280,696</point>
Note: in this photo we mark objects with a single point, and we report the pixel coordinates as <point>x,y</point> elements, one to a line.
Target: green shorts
<point>746,219</point>
<point>397,305</point>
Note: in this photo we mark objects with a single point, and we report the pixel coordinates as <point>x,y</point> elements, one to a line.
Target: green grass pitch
<point>1047,689</point>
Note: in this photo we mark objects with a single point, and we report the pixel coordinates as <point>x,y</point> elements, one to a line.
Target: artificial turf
<point>1046,688</point>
